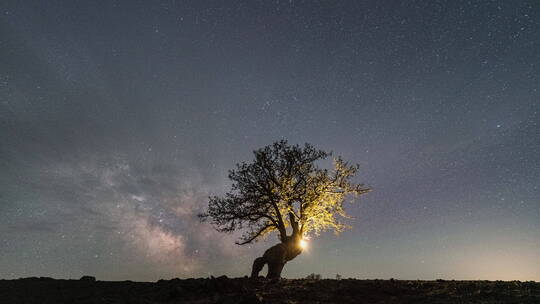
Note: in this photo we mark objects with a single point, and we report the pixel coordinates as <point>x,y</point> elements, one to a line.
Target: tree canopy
<point>284,189</point>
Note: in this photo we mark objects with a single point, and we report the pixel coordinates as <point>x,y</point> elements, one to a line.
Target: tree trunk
<point>276,257</point>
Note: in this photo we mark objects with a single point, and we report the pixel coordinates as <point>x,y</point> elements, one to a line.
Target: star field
<point>119,118</point>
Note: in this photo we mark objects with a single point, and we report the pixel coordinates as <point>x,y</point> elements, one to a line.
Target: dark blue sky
<point>119,118</point>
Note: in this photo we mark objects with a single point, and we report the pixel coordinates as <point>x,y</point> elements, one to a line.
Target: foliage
<point>283,188</point>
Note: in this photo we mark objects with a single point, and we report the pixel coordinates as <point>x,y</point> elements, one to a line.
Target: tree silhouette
<point>283,190</point>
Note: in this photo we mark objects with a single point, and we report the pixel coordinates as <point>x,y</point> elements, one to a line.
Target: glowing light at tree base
<point>303,244</point>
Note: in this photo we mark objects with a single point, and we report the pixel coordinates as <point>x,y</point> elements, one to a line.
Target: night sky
<point>119,118</point>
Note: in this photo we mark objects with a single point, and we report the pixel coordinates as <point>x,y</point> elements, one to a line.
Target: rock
<point>87,279</point>
<point>37,279</point>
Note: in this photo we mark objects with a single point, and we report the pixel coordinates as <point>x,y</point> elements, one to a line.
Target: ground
<point>243,290</point>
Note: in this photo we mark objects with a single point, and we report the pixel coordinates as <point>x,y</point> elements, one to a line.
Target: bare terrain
<point>243,290</point>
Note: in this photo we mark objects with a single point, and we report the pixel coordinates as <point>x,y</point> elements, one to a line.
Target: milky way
<point>119,119</point>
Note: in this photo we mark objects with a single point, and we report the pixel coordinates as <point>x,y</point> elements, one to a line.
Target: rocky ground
<point>243,290</point>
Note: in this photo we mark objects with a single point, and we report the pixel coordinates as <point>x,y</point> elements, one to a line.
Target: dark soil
<point>243,290</point>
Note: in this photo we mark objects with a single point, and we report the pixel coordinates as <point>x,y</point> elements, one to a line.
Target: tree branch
<point>256,235</point>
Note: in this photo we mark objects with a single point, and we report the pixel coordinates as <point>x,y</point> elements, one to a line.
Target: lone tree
<point>284,190</point>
